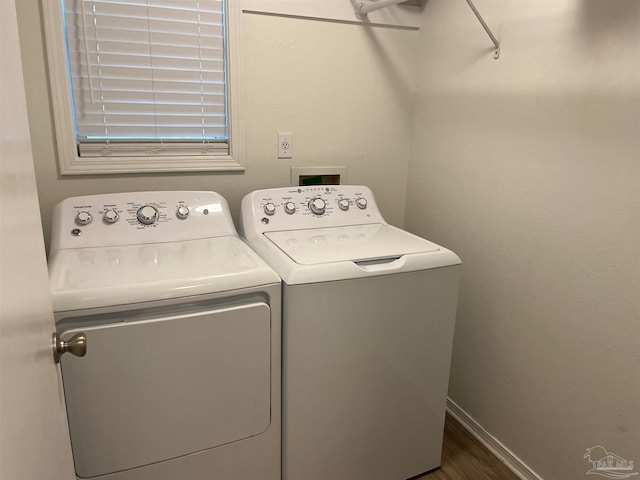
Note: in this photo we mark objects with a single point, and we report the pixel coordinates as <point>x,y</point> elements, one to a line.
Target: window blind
<point>148,76</point>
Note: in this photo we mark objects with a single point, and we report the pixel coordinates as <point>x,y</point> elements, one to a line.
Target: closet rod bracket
<point>363,7</point>
<point>496,53</point>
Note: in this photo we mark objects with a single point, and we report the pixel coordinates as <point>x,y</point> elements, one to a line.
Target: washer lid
<point>356,243</point>
<point>105,276</point>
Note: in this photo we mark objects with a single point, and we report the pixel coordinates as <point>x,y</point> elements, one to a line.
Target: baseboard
<point>506,456</point>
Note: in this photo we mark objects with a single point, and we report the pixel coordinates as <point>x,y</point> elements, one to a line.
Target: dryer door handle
<point>77,345</point>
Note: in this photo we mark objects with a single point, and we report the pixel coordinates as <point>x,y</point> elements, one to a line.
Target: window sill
<point>109,165</point>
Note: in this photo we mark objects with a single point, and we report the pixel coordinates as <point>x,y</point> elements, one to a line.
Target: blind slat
<point>129,149</point>
<point>138,65</point>
<point>129,26</point>
<point>148,104</point>
<point>149,120</point>
<point>142,38</point>
<point>136,74</point>
<point>169,85</point>
<point>210,6</point>
<point>146,132</point>
<point>129,49</point>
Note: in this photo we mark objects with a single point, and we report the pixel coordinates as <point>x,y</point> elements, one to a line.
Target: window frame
<point>71,163</point>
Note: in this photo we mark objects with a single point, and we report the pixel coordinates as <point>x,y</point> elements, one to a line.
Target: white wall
<point>528,168</point>
<point>344,90</point>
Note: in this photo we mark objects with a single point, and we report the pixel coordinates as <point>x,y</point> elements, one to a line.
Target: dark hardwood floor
<point>464,458</point>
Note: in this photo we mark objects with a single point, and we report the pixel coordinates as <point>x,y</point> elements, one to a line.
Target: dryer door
<point>153,390</point>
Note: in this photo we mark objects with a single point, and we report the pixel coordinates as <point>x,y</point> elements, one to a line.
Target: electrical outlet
<point>285,145</point>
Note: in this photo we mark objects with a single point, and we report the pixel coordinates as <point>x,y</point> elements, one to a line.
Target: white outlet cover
<point>285,145</point>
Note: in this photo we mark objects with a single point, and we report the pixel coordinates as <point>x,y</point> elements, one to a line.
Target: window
<point>144,85</point>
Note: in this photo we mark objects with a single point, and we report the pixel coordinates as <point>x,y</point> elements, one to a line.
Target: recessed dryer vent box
<point>318,175</point>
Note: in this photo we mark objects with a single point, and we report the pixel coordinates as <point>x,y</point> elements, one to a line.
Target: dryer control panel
<point>317,206</point>
<point>138,218</point>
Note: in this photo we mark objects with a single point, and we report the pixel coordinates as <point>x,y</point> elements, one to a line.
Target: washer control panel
<point>138,218</point>
<point>293,208</point>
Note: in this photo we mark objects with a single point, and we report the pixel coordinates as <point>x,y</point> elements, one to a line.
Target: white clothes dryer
<point>368,321</point>
<point>181,377</point>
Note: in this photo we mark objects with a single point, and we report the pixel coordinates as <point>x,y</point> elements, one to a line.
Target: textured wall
<point>528,168</point>
<point>344,90</point>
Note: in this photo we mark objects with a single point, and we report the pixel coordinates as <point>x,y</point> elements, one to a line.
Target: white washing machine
<point>368,320</point>
<point>181,377</point>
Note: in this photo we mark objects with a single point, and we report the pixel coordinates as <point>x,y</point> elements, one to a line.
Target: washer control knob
<point>361,203</point>
<point>317,206</point>
<point>110,216</point>
<point>269,208</point>
<point>182,212</point>
<point>84,218</point>
<point>147,215</point>
<point>343,204</point>
<point>290,208</point>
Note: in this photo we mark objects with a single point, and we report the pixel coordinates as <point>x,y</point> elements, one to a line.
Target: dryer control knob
<point>182,212</point>
<point>269,208</point>
<point>110,216</point>
<point>317,206</point>
<point>83,218</point>
<point>290,208</point>
<point>343,204</point>
<point>147,215</point>
<point>361,203</point>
